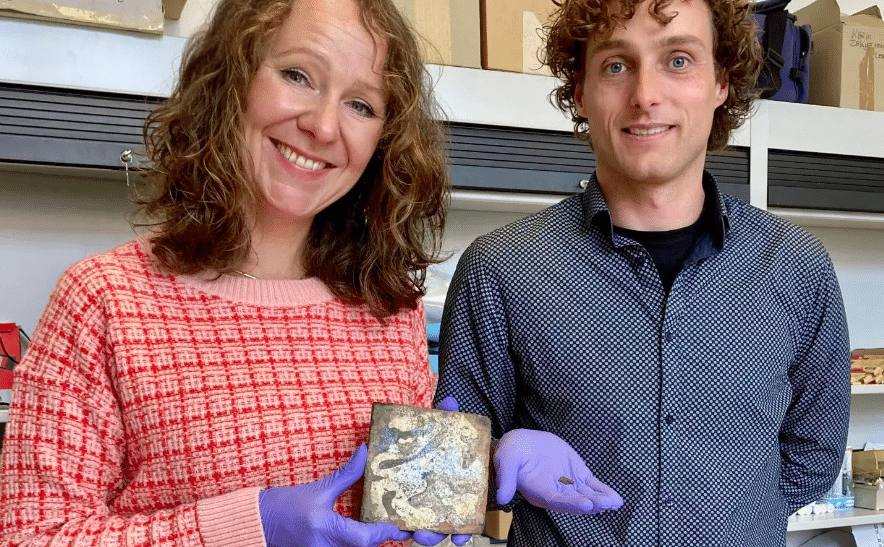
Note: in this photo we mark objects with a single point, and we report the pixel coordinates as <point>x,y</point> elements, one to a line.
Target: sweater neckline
<point>257,292</point>
<point>261,292</point>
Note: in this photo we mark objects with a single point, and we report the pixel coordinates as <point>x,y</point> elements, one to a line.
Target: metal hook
<point>126,158</point>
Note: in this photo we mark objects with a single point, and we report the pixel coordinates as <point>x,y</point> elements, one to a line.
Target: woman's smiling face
<point>315,110</point>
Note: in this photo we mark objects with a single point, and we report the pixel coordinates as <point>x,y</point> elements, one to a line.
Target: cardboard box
<point>868,463</point>
<point>847,64</point>
<point>512,36</point>
<point>497,524</point>
<point>449,30</point>
<point>140,15</point>
<point>172,8</point>
<point>869,497</point>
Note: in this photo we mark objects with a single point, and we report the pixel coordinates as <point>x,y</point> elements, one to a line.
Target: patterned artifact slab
<point>427,469</point>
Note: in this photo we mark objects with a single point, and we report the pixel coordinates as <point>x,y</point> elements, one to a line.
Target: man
<point>692,349</point>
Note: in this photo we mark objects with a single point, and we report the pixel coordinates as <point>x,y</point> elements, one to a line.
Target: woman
<point>194,386</point>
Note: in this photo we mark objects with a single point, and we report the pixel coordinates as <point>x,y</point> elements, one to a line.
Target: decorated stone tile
<point>427,469</point>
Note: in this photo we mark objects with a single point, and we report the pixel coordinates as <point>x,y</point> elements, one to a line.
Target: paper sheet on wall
<point>869,535</point>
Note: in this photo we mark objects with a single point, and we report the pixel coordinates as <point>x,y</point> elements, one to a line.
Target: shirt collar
<point>596,210</point>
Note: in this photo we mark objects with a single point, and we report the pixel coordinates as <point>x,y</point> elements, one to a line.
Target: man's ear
<point>578,96</point>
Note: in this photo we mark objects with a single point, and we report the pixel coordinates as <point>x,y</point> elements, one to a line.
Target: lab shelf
<point>867,389</point>
<point>837,519</point>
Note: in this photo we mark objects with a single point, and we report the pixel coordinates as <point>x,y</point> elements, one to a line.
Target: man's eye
<point>615,68</point>
<point>679,62</point>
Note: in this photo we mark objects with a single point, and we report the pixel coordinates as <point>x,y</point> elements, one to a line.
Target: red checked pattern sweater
<point>151,409</point>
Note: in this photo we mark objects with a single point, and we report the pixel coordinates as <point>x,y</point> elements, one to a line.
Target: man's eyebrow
<point>606,45</point>
<point>681,40</point>
<point>668,41</point>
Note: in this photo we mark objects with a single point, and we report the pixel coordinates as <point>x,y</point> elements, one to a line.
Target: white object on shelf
<point>835,519</point>
<point>506,202</point>
<point>4,415</point>
<point>867,389</point>
<point>832,219</point>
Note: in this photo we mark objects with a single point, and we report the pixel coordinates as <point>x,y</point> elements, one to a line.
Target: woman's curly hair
<point>370,247</point>
<point>738,55</point>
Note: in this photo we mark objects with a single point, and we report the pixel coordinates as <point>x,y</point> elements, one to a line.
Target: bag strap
<point>764,7</point>
<point>775,25</point>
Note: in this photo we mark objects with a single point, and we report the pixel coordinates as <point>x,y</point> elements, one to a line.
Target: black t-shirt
<point>670,248</point>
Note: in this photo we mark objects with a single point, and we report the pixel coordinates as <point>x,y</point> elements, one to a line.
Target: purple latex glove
<point>425,537</point>
<point>535,461</point>
<point>304,516</point>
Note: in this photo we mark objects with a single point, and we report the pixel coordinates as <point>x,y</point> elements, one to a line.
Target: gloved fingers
<point>460,539</point>
<point>604,494</point>
<point>352,533</point>
<point>448,403</point>
<point>345,476</point>
<point>426,537</point>
<point>507,477</point>
<point>571,502</point>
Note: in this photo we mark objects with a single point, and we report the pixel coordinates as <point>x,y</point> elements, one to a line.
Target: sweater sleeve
<point>64,454</point>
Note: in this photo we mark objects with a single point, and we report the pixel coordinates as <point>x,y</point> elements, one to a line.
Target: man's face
<point>649,93</point>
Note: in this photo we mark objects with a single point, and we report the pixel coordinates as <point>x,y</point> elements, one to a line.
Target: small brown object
<point>427,469</point>
<point>566,480</point>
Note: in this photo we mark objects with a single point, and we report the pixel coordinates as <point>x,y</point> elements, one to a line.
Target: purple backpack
<point>787,47</point>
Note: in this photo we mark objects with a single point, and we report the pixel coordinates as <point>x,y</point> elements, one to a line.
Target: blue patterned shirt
<point>715,411</point>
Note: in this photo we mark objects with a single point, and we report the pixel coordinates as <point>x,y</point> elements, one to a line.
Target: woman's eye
<point>362,108</point>
<point>295,76</point>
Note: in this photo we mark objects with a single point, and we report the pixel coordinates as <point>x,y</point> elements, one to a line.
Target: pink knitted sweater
<point>150,409</point>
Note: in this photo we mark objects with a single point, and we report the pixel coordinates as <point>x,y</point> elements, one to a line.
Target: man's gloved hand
<point>425,537</point>
<point>549,474</point>
<point>304,516</point>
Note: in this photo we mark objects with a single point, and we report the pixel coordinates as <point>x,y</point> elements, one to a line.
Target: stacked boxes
<point>512,36</point>
<point>868,479</point>
<point>449,30</point>
<point>847,64</point>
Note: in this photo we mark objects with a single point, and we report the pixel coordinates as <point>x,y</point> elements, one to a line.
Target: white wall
<point>47,223</point>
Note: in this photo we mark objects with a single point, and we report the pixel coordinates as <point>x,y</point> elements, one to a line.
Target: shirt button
<point>669,419</point>
<point>668,336</point>
<point>668,501</point>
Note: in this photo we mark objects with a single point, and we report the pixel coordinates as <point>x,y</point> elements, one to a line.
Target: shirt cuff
<point>231,520</point>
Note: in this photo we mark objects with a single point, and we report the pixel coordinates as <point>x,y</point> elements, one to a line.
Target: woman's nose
<point>320,119</point>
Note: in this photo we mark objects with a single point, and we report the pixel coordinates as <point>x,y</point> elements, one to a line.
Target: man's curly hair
<point>737,52</point>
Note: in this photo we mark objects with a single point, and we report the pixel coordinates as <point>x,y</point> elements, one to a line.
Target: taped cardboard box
<point>138,15</point>
<point>512,34</point>
<point>497,524</point>
<point>868,463</point>
<point>868,497</point>
<point>449,30</point>
<point>847,64</point>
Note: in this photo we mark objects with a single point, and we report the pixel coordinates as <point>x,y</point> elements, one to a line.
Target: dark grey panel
<point>49,126</point>
<point>825,181</point>
<point>521,160</point>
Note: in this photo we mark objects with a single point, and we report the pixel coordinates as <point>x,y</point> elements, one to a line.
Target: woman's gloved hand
<point>550,474</point>
<point>304,516</point>
<point>424,537</point>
